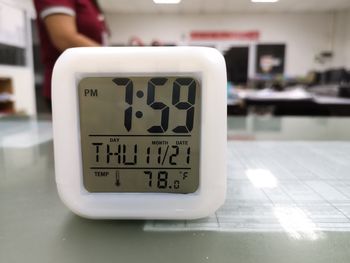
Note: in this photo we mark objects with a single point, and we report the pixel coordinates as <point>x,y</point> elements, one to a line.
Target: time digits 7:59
<point>177,85</point>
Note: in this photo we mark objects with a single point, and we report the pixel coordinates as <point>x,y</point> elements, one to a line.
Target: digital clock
<point>140,133</point>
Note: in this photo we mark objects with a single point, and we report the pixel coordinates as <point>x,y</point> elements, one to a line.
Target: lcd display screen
<point>140,133</point>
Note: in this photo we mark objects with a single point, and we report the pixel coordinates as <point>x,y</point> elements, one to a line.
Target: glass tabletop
<point>288,200</point>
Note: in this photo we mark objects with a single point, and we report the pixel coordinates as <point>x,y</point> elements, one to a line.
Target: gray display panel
<point>140,134</point>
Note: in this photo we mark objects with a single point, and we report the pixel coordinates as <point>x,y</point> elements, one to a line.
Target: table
<point>317,106</point>
<point>294,102</point>
<point>288,201</point>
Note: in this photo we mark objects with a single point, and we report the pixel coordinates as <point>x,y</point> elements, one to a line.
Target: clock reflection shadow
<point>87,240</point>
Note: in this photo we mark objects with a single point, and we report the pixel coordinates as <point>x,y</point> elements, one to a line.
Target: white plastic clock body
<point>140,133</point>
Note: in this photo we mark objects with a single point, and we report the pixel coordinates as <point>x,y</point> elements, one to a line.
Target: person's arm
<point>64,34</point>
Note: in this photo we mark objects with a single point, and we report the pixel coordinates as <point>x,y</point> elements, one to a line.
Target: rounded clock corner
<point>84,214</point>
<point>212,61</point>
<point>203,212</point>
<point>63,59</point>
<point>66,195</point>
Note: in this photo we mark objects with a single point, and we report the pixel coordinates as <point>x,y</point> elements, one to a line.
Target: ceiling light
<point>166,1</point>
<point>264,1</point>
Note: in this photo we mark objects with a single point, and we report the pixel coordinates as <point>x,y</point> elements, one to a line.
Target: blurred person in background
<point>65,24</point>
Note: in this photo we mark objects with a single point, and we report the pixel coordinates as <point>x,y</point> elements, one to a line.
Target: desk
<point>298,212</point>
<point>296,102</point>
<point>316,106</point>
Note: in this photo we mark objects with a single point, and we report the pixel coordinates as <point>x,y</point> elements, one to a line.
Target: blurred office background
<point>291,57</point>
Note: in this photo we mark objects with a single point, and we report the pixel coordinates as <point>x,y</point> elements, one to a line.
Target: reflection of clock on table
<point>140,132</point>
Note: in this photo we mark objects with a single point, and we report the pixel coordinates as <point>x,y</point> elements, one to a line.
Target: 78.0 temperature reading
<point>162,179</point>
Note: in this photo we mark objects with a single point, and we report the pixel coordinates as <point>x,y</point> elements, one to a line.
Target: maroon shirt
<point>89,21</point>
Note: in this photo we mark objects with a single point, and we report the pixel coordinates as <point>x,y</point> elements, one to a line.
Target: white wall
<point>305,34</point>
<point>341,39</point>
<point>347,43</point>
